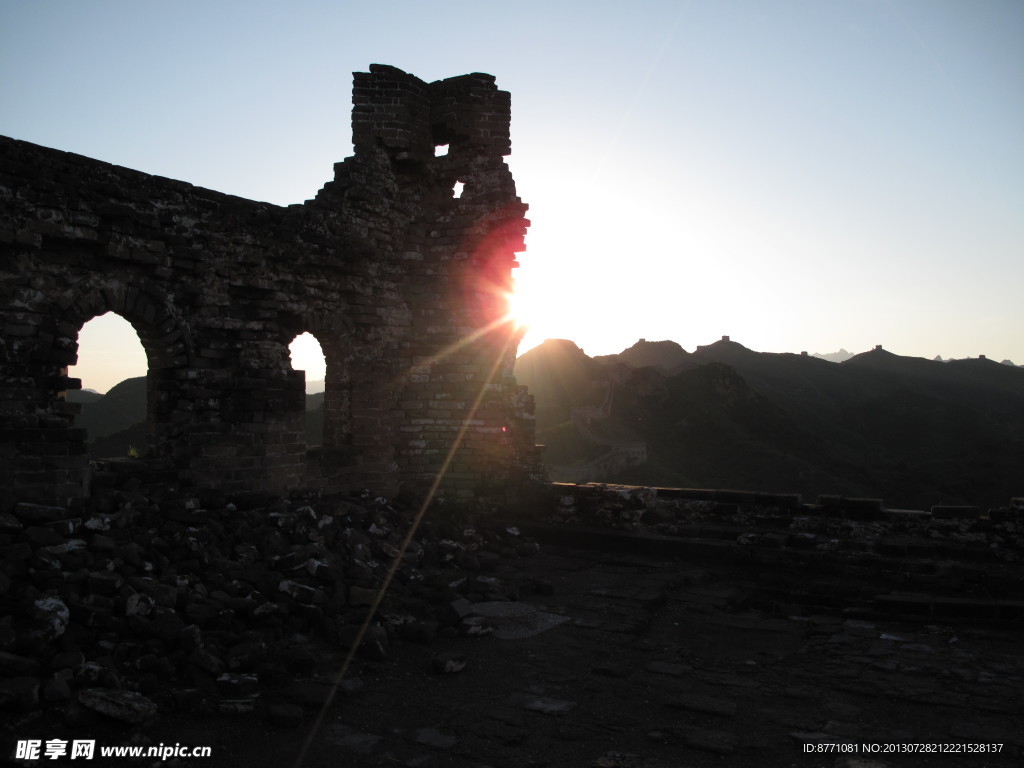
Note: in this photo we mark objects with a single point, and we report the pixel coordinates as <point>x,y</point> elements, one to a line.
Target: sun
<point>532,316</point>
<point>518,311</point>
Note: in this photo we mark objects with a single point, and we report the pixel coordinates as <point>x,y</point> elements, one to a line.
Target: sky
<point>801,175</point>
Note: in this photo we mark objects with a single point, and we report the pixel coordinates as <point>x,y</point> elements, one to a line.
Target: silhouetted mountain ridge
<point>913,431</point>
<point>834,357</point>
<point>123,406</point>
<point>666,355</point>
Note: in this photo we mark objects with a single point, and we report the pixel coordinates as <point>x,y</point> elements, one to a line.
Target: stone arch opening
<point>44,456</point>
<point>167,350</point>
<point>113,368</point>
<point>308,357</point>
<point>329,419</point>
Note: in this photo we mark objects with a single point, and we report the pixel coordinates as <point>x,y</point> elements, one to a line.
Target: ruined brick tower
<point>402,282</point>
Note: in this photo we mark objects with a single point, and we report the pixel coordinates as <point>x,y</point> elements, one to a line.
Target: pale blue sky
<point>797,174</point>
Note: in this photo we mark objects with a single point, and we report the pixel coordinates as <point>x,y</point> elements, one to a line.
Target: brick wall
<point>402,283</point>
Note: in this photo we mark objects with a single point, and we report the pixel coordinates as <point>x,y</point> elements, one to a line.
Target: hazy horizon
<point>813,353</point>
<point>799,176</point>
<point>108,370</point>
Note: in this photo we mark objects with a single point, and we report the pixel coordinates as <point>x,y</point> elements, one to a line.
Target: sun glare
<point>518,310</point>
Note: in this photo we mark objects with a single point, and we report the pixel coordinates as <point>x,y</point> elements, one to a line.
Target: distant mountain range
<point>116,421</point>
<point>834,357</point>
<point>912,431</point>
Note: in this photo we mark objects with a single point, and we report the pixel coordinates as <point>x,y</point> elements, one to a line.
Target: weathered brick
<point>217,286</point>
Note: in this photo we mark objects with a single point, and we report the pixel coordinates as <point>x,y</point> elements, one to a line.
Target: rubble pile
<point>777,520</point>
<point>844,554</point>
<point>141,604</point>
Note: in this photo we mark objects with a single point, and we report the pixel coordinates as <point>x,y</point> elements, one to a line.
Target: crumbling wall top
<point>409,117</point>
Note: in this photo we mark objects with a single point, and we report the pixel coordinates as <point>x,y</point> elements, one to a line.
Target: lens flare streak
<point>420,514</point>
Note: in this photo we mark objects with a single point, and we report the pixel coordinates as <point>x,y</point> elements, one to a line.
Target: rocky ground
<point>660,664</point>
<point>498,645</point>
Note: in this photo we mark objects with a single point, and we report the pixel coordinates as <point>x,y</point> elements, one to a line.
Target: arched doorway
<point>308,356</point>
<point>113,368</point>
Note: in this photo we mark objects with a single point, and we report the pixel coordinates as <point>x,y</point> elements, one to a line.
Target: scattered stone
<point>235,685</point>
<point>126,706</point>
<point>237,706</point>
<point>245,656</point>
<point>162,594</point>
<point>52,616</point>
<point>301,592</point>
<point>514,621</point>
<point>456,611</point>
<point>139,604</point>
<point>448,663</point>
<point>502,615</point>
<point>208,661</point>
<point>475,626</point>
<point>9,523</point>
<point>548,706</point>
<point>141,633</point>
<point>94,675</point>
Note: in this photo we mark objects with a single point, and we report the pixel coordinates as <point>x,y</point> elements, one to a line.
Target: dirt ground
<point>658,663</point>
